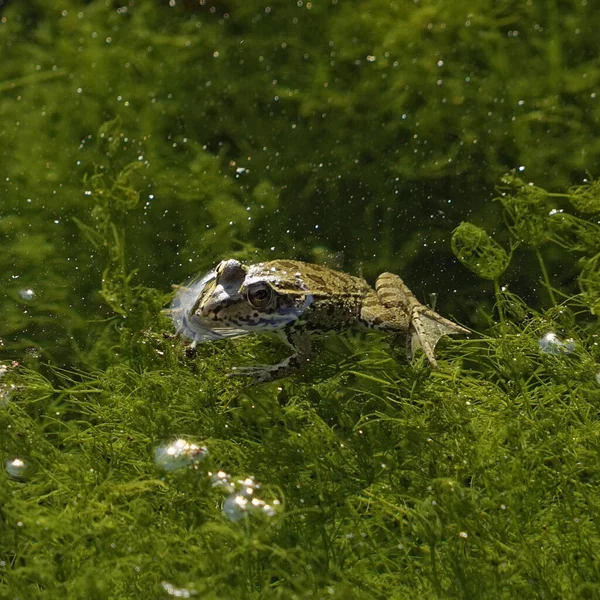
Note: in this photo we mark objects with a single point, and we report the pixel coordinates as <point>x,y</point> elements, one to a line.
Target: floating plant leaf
<point>478,251</point>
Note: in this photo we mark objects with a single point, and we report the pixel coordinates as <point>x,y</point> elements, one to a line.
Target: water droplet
<point>27,294</point>
<point>241,501</point>
<point>179,454</point>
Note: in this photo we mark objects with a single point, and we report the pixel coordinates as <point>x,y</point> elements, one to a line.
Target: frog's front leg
<point>299,341</point>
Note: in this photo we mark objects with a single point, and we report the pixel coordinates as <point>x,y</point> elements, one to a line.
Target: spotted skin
<point>301,300</point>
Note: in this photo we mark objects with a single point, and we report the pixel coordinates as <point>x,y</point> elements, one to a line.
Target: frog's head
<point>235,299</point>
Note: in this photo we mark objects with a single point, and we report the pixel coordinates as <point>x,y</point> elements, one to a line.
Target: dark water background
<point>358,133</point>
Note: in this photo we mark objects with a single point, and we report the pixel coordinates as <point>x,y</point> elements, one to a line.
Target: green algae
<point>136,142</point>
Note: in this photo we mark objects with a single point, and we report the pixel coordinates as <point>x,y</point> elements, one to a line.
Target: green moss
<point>142,143</point>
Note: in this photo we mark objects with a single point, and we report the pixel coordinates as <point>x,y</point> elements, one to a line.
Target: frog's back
<point>322,281</point>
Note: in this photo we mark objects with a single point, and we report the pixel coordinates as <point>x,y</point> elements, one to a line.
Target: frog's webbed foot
<point>263,373</point>
<point>426,329</point>
<point>425,326</point>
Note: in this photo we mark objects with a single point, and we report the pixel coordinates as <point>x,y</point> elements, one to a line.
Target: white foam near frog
<point>300,300</point>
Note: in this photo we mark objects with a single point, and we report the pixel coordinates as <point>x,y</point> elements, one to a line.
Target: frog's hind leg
<point>425,326</point>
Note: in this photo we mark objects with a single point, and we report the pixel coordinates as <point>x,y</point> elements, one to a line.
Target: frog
<point>299,301</point>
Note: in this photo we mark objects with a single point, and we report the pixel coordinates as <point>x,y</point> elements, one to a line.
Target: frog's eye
<point>259,294</point>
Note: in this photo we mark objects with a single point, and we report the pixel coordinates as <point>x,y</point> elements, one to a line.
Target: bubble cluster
<point>179,454</point>
<point>177,592</point>
<point>241,500</point>
<point>222,479</point>
<point>552,344</point>
<point>6,389</point>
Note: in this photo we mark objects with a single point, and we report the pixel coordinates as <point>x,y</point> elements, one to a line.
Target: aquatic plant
<point>142,142</point>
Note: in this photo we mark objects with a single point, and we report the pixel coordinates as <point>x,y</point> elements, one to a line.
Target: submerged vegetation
<point>143,143</point>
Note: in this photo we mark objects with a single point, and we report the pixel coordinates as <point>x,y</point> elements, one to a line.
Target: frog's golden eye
<point>259,294</point>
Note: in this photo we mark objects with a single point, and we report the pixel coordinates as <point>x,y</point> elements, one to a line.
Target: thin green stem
<point>499,301</point>
<point>34,78</point>
<point>545,277</point>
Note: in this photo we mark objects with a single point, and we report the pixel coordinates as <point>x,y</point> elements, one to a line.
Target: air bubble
<point>551,344</point>
<point>17,468</point>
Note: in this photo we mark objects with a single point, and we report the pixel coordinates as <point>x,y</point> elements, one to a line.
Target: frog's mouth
<point>188,322</point>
